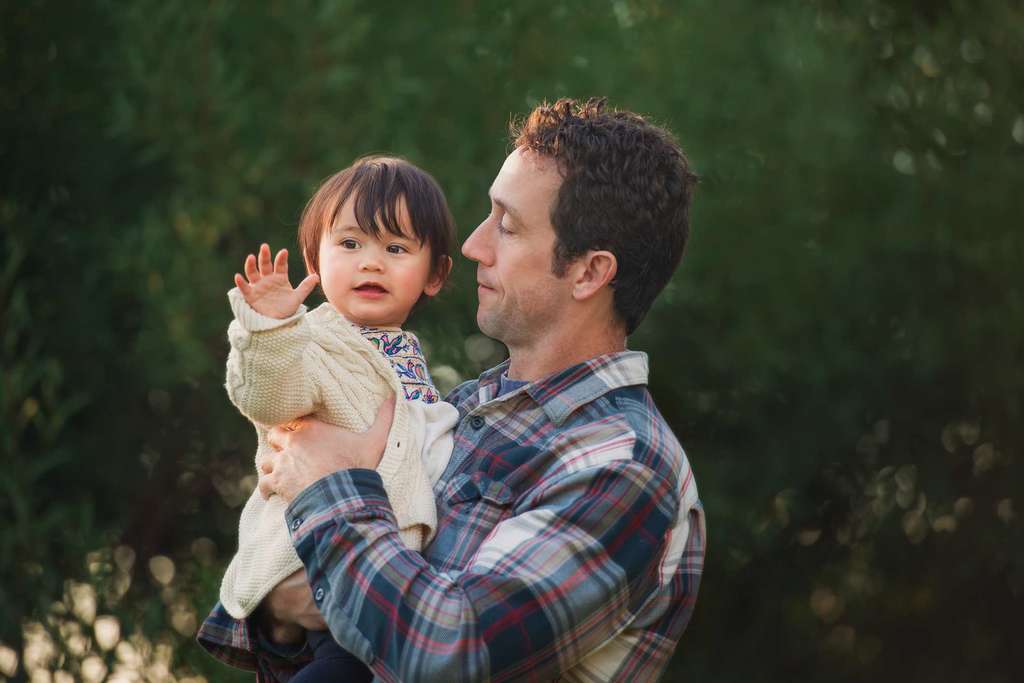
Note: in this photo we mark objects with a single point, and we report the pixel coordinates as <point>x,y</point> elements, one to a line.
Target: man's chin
<point>489,327</point>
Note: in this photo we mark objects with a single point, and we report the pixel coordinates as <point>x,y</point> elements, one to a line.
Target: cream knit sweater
<point>318,364</point>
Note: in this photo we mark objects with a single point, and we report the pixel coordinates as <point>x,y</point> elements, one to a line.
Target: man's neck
<point>563,348</point>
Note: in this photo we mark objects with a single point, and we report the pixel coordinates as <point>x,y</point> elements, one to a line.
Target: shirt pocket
<point>479,500</point>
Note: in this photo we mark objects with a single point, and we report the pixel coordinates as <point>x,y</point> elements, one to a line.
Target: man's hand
<point>307,450</point>
<point>289,609</point>
<point>268,289</point>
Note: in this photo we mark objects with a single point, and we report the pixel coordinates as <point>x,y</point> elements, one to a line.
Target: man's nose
<point>475,247</point>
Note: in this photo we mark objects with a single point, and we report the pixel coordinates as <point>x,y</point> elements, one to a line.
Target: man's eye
<point>499,220</point>
<point>396,249</point>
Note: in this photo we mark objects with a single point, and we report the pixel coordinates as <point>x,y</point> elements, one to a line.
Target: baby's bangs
<point>380,190</point>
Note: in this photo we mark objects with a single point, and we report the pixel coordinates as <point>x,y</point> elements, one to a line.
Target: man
<point>570,538</point>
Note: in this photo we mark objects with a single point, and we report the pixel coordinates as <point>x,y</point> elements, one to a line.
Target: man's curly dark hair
<point>626,188</point>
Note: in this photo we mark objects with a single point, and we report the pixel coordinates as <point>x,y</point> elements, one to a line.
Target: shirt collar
<point>562,393</point>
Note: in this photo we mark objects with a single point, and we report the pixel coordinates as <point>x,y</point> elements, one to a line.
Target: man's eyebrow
<point>510,210</point>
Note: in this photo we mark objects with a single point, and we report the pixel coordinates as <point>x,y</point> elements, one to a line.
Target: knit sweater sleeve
<point>267,374</point>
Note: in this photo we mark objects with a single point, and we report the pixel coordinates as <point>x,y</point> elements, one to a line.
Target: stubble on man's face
<point>522,314</point>
<point>514,248</point>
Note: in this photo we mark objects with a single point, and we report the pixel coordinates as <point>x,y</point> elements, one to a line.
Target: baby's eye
<point>396,249</point>
<point>349,244</point>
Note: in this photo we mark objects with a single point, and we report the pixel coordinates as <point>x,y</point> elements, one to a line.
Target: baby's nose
<point>370,263</point>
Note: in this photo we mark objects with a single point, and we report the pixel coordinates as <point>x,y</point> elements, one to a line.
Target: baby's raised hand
<point>268,289</point>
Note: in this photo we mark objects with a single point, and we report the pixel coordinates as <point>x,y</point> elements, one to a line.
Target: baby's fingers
<point>266,267</point>
<point>250,269</point>
<point>242,285</point>
<point>307,285</point>
<point>281,262</point>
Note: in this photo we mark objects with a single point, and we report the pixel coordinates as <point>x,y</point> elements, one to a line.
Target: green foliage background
<point>841,352</point>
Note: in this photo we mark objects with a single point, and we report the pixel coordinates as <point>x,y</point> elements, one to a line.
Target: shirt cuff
<point>338,495</point>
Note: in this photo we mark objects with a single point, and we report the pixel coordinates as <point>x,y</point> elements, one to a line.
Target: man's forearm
<point>551,584</point>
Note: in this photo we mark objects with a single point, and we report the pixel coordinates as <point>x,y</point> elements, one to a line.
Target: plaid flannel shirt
<point>570,544</point>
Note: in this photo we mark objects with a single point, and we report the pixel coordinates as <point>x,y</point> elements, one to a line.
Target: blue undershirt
<point>506,385</point>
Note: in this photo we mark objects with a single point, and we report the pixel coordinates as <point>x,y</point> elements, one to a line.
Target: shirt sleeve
<point>562,575</point>
<point>266,375</point>
<point>239,643</point>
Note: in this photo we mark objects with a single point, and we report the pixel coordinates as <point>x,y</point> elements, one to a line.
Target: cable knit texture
<point>315,363</point>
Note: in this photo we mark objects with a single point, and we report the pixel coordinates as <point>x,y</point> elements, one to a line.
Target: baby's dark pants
<point>331,663</point>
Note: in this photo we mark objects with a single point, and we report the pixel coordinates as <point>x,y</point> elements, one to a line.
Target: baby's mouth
<point>371,289</point>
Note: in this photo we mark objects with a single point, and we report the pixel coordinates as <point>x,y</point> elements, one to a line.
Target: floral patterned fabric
<point>402,349</point>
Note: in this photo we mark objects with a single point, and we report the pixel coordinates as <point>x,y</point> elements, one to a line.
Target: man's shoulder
<point>627,420</point>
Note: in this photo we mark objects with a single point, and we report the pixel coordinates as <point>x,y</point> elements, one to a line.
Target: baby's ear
<point>439,277</point>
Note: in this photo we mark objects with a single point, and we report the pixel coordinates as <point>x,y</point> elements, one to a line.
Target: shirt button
<point>296,523</point>
<point>476,422</point>
<point>319,594</point>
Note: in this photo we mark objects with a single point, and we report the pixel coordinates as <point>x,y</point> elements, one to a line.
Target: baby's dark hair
<point>381,184</point>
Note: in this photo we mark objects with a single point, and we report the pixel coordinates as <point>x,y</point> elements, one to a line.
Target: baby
<point>377,236</point>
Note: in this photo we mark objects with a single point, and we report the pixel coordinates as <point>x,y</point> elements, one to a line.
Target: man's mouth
<point>480,282</point>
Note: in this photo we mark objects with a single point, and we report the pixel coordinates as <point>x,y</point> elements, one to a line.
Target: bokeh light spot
<point>963,507</point>
<point>162,569</point>
<point>984,458</point>
<point>108,632</point>
<point>1018,130</point>
<point>826,604</point>
<point>93,669</point>
<point>8,661</point>
<point>482,350</point>
<point>124,558</point>
<point>971,51</point>
<point>83,601</point>
<point>808,537</point>
<point>903,161</point>
<point>1004,510</point>
<point>204,550</point>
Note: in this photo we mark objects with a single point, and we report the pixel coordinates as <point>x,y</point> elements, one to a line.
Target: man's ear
<point>439,277</point>
<point>593,271</point>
